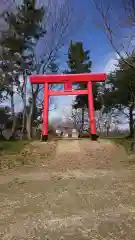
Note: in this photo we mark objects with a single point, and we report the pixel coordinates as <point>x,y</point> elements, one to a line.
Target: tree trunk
<point>24,107</point>
<point>82,122</point>
<point>30,114</point>
<point>29,118</point>
<point>23,124</point>
<point>107,131</point>
<point>132,127</point>
<point>13,113</point>
<point>29,126</point>
<point>131,121</point>
<point>133,141</point>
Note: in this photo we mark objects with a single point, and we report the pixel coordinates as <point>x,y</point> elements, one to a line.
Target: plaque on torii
<point>68,80</point>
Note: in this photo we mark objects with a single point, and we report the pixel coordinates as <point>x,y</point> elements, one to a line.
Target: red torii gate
<point>67,80</point>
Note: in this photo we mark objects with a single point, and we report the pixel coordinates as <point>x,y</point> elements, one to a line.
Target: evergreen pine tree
<point>18,43</point>
<point>79,62</point>
<point>19,40</point>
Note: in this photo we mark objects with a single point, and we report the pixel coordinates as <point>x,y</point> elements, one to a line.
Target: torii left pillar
<point>45,113</point>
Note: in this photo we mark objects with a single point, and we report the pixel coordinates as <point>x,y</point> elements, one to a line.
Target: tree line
<point>26,27</point>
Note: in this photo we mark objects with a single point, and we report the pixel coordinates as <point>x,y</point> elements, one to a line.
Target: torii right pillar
<point>91,112</point>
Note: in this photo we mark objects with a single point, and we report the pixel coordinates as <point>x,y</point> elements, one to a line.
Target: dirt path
<point>68,147</point>
<point>53,202</point>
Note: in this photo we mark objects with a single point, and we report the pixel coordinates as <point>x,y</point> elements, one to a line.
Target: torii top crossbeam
<point>61,78</point>
<point>67,80</point>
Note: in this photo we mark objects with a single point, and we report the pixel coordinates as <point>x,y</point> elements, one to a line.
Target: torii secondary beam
<point>68,79</point>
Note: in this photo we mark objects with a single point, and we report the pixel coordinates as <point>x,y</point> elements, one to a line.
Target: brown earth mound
<point>74,154</point>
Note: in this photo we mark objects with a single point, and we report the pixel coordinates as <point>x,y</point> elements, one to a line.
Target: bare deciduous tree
<point>60,23</point>
<point>118,24</point>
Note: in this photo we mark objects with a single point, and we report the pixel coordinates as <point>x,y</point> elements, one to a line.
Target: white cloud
<point>112,61</point>
<point>18,103</point>
<point>111,65</point>
<point>63,108</point>
<point>17,98</point>
<point>133,42</point>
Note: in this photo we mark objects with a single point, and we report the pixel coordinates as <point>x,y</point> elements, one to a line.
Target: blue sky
<point>94,39</point>
<point>92,36</point>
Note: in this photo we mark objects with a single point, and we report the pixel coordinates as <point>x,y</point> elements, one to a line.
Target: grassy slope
<point>10,156</point>
<point>12,146</point>
<point>126,143</point>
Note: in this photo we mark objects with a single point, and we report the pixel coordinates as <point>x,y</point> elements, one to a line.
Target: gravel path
<point>68,146</point>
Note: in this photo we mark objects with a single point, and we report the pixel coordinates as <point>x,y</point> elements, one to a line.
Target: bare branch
<point>62,19</point>
<point>111,26</point>
<point>5,5</point>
